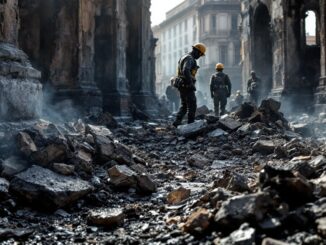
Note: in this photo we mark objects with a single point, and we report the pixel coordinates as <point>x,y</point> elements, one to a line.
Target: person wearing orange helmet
<point>187,69</point>
<point>220,87</point>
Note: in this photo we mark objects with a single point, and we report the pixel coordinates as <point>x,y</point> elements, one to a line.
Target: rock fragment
<point>48,190</point>
<point>192,129</point>
<point>177,196</point>
<point>106,217</point>
<point>198,222</point>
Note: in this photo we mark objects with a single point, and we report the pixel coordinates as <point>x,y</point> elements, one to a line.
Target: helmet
<point>200,47</point>
<point>238,91</point>
<point>219,66</point>
<point>252,73</point>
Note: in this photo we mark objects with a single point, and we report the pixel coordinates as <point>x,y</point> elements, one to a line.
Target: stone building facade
<point>98,54</point>
<point>212,22</point>
<point>275,45</point>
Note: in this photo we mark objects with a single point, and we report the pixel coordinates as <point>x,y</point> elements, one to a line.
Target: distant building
<point>212,22</point>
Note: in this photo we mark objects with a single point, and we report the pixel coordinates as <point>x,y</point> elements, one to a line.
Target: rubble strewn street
<point>245,178</point>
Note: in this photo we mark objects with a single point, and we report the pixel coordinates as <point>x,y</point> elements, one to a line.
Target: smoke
<point>58,111</point>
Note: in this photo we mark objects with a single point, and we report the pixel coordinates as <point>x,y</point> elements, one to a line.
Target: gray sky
<point>160,7</point>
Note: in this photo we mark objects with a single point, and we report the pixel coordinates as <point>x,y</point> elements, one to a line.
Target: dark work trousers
<point>254,97</point>
<point>220,102</point>
<point>188,105</point>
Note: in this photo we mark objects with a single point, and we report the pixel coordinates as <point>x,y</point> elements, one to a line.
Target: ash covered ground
<point>246,178</point>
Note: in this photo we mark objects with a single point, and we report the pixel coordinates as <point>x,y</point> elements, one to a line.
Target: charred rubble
<point>245,178</point>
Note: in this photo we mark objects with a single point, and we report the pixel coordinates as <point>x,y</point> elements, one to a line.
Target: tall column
<point>58,34</point>
<point>9,21</point>
<point>110,56</point>
<point>141,63</point>
<point>320,95</point>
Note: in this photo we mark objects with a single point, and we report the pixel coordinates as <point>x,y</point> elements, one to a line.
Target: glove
<point>212,95</point>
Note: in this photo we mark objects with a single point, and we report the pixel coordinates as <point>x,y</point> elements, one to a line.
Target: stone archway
<point>262,48</point>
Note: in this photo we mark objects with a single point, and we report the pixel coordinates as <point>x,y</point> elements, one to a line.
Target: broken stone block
<point>320,186</point>
<point>245,110</point>
<point>232,181</point>
<point>270,104</point>
<point>293,188</point>
<point>48,190</point>
<point>55,152</point>
<point>192,129</point>
<point>122,176</point>
<point>4,187</point>
<point>13,165</point>
<point>83,161</point>
<point>319,162</point>
<point>203,110</point>
<point>26,144</point>
<point>264,147</point>
<point>122,154</point>
<point>105,148</point>
<point>270,241</point>
<point>269,224</point>
<point>63,169</point>
<point>321,226</point>
<point>178,196</point>
<point>244,129</point>
<point>106,217</point>
<point>198,222</point>
<point>229,124</point>
<point>18,233</point>
<point>217,133</point>
<point>243,208</point>
<point>98,131</point>
<point>238,183</point>
<point>145,184</point>
<point>198,161</point>
<point>245,235</point>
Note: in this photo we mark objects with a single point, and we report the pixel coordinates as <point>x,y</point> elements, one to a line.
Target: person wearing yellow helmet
<point>253,87</point>
<point>220,87</point>
<point>186,77</point>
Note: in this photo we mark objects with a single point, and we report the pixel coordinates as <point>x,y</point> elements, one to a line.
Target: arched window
<point>310,27</point>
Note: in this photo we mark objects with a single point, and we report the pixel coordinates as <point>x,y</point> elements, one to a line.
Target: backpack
<point>218,81</point>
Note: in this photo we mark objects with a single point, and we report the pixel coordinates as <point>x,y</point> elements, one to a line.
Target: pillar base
<point>320,96</point>
<point>146,102</point>
<point>117,103</point>
<point>76,102</point>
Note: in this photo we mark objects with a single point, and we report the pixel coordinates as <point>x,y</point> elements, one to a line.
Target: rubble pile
<point>245,178</point>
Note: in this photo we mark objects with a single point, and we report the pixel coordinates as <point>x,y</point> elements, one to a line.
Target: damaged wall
<point>83,49</point>
<point>20,89</point>
<point>274,45</point>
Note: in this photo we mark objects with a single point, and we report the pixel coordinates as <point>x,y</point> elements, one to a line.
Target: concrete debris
<point>13,165</point>
<point>63,169</point>
<point>4,188</point>
<point>198,222</point>
<point>178,196</point>
<point>245,235</point>
<point>229,124</point>
<point>238,186</point>
<point>192,129</point>
<point>198,161</point>
<point>123,177</point>
<point>48,190</point>
<point>106,217</point>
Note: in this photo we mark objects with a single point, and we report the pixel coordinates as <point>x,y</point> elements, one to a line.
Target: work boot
<point>176,123</point>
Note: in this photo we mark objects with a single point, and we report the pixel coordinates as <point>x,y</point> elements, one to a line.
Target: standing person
<point>172,94</point>
<point>238,98</point>
<point>220,87</point>
<point>253,87</point>
<point>187,68</point>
